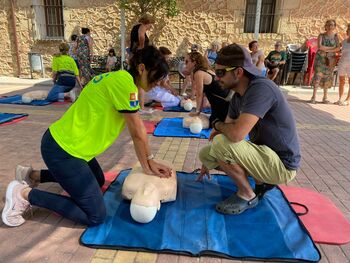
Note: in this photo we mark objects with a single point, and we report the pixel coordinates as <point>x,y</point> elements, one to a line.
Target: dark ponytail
<point>154,62</point>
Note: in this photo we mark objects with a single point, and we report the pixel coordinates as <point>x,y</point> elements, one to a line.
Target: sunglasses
<point>222,71</point>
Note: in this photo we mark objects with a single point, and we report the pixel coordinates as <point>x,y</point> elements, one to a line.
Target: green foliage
<point>140,7</point>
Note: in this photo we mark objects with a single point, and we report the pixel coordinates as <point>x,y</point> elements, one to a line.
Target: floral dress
<point>325,63</point>
<point>83,55</point>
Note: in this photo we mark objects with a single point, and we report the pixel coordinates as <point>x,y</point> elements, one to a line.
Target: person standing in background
<point>138,35</point>
<point>344,69</point>
<point>140,40</point>
<point>325,61</point>
<point>85,45</point>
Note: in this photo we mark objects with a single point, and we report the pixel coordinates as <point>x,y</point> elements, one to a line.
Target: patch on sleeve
<point>134,100</point>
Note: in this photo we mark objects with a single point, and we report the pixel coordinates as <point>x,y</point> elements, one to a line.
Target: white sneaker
<point>15,204</point>
<point>23,174</point>
<point>146,111</point>
<point>73,94</point>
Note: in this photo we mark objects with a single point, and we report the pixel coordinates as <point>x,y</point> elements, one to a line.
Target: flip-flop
<point>344,103</point>
<point>235,205</point>
<point>326,102</point>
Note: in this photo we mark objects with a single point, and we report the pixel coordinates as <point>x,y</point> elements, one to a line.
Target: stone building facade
<point>199,21</point>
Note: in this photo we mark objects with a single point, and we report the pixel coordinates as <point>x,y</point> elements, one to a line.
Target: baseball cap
<point>235,55</point>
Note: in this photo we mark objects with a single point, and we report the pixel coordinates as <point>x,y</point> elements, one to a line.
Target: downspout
<point>15,37</point>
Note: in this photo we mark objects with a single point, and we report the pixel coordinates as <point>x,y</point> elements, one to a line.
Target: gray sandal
<point>235,205</point>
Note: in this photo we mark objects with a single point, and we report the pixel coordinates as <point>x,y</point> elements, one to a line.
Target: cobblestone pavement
<point>324,132</point>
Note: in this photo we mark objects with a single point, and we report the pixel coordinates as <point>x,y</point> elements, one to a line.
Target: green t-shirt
<point>275,56</point>
<point>95,120</point>
<point>64,63</point>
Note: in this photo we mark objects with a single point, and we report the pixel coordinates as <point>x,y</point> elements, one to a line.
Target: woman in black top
<point>138,36</point>
<point>204,83</point>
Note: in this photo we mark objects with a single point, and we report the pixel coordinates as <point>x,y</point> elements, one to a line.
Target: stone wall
<point>200,21</point>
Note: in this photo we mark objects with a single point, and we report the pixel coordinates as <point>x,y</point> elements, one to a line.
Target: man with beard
<point>259,109</point>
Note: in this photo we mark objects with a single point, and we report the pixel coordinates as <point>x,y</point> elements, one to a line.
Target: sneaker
<point>146,111</point>
<point>15,204</point>
<point>23,174</point>
<point>73,94</point>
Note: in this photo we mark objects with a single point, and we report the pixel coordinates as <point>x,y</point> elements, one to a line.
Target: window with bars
<point>267,16</point>
<point>48,19</point>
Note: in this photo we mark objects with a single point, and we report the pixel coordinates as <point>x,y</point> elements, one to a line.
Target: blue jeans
<point>57,92</point>
<point>80,179</point>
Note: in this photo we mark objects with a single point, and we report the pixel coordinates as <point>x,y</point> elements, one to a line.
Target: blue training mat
<point>17,99</point>
<point>191,226</point>
<point>172,127</point>
<point>6,117</point>
<point>181,109</point>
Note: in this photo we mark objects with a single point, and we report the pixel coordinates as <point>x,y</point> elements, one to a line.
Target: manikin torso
<point>146,192</point>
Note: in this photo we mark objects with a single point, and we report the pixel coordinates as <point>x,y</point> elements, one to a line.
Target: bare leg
<point>314,93</point>
<point>325,95</point>
<point>348,97</point>
<point>341,87</point>
<point>239,176</point>
<point>274,73</point>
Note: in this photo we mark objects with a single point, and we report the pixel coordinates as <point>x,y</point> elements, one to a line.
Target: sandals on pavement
<point>235,205</point>
<point>325,101</point>
<point>312,101</point>
<point>344,103</point>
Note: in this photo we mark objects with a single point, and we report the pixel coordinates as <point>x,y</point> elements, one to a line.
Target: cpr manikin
<point>187,104</point>
<point>196,124</point>
<point>146,192</point>
<point>28,97</point>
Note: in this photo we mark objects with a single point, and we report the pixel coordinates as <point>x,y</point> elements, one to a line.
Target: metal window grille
<point>48,19</point>
<point>267,16</point>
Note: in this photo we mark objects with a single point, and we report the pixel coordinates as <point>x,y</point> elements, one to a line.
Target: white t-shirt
<point>255,58</point>
<point>111,61</point>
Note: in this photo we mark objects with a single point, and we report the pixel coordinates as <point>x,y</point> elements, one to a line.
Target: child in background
<point>111,60</point>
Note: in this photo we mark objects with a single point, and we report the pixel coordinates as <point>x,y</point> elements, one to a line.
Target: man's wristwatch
<point>150,157</point>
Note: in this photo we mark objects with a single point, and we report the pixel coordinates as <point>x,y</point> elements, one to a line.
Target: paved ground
<point>46,237</point>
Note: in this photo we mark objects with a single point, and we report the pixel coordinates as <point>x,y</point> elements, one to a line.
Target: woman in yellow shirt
<point>69,147</point>
<point>65,73</point>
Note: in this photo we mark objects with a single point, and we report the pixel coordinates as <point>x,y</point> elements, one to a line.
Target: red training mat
<point>150,126</point>
<point>109,178</point>
<point>325,222</point>
<point>14,121</point>
<point>157,107</point>
<point>66,101</point>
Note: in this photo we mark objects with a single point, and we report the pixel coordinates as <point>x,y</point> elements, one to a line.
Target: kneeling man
<point>259,109</point>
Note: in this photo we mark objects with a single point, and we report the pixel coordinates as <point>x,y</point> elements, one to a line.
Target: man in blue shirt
<point>259,109</point>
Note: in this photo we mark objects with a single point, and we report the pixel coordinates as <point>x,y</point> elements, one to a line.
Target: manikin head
<point>145,203</point>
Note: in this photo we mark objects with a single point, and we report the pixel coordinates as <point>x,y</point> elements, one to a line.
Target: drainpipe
<point>257,19</point>
<point>122,35</point>
<point>15,37</point>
